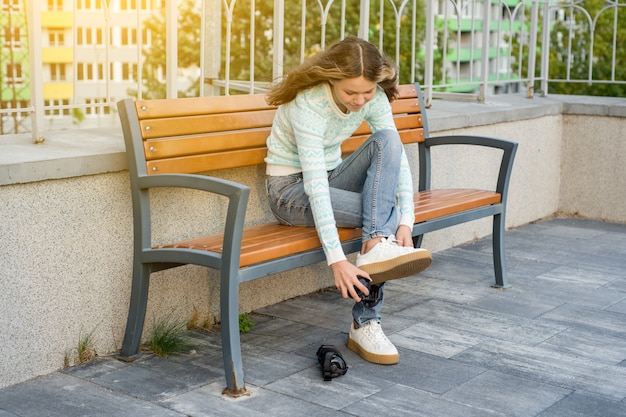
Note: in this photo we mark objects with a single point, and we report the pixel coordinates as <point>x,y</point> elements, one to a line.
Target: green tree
<point>574,36</point>
<point>189,25</point>
<point>240,64</point>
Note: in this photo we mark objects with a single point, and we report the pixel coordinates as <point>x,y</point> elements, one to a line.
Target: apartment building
<point>462,29</point>
<point>90,59</point>
<point>14,65</point>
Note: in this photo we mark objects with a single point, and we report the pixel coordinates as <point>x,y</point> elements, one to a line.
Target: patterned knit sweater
<point>306,137</point>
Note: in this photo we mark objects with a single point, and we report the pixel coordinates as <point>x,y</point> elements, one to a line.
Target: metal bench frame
<point>148,259</point>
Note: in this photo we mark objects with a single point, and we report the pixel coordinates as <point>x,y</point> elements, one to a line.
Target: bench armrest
<point>508,147</point>
<point>198,182</point>
<point>236,193</point>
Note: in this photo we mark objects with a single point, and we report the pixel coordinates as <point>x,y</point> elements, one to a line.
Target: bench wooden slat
<point>407,90</point>
<point>272,241</point>
<point>176,107</point>
<point>164,108</point>
<point>203,163</point>
<point>192,125</point>
<point>439,203</point>
<point>201,144</point>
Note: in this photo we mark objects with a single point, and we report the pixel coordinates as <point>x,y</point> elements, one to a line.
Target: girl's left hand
<point>404,235</point>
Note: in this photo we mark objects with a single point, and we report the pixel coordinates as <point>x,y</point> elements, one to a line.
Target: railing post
<point>279,35</point>
<point>545,49</point>
<point>364,19</point>
<point>36,75</point>
<point>429,57</point>
<point>532,49</point>
<point>484,60</point>
<point>171,49</point>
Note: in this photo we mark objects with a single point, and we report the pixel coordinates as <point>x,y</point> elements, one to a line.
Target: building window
<point>56,37</point>
<point>14,73</point>
<point>96,107</point>
<point>86,71</point>
<point>89,4</point>
<point>55,5</point>
<point>52,112</point>
<point>11,5</point>
<point>129,71</point>
<point>128,4</point>
<point>89,36</point>
<point>80,71</point>
<point>57,72</point>
<point>12,38</point>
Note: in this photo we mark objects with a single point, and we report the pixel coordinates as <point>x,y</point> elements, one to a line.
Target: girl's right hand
<point>346,278</point>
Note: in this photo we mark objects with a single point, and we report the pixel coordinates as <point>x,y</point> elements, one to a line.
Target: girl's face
<point>352,93</point>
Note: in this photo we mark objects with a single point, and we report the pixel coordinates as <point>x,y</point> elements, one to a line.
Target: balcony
<point>67,230</point>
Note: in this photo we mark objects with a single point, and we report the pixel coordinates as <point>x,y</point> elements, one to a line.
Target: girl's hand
<point>346,278</point>
<point>404,235</point>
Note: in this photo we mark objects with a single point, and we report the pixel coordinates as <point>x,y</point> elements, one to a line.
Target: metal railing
<point>85,55</point>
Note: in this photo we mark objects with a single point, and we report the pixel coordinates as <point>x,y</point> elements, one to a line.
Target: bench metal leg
<point>231,342</point>
<point>137,309</point>
<point>499,260</point>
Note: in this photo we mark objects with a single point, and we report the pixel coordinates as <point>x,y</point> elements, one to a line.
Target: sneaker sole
<point>372,357</point>
<point>400,267</point>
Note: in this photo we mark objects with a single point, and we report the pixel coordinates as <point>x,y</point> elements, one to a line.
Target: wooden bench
<point>170,141</point>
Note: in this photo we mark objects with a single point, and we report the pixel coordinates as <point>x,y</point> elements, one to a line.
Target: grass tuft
<point>245,323</point>
<point>169,335</point>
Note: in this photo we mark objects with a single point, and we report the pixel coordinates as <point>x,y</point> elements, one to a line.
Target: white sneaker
<point>370,343</point>
<point>388,260</point>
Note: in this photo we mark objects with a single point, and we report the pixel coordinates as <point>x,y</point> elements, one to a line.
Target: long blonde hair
<point>350,58</point>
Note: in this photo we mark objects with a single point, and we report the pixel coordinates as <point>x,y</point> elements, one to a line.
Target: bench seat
<point>272,241</point>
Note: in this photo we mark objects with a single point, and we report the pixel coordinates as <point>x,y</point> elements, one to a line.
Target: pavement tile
<point>507,394</point>
<point>548,366</point>
<point>468,320</point>
<point>208,402</point>
<point>581,404</point>
<point>403,401</point>
<point>417,370</point>
<point>60,395</point>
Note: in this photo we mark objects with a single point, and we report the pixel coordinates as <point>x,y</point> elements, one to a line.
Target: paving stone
<point>580,404</point>
<point>309,385</point>
<point>574,315</point>
<point>208,402</point>
<point>467,320</point>
<point>434,339</point>
<point>548,366</point>
<point>156,379</point>
<point>418,370</point>
<point>66,396</point>
<point>597,346</point>
<point>399,401</point>
<point>507,394</point>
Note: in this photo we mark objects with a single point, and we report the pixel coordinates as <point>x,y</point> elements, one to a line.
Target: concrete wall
<point>66,222</point>
<point>593,168</point>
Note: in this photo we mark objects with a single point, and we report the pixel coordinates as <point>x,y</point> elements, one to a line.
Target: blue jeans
<point>362,194</point>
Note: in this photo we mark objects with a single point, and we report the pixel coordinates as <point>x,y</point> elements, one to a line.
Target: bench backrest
<point>195,135</point>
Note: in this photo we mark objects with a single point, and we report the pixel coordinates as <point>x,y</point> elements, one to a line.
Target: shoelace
<point>390,241</point>
<point>378,336</point>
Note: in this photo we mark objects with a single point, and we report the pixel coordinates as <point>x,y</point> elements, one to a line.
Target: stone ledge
<point>74,153</point>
